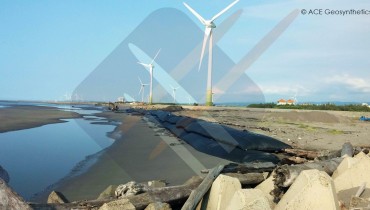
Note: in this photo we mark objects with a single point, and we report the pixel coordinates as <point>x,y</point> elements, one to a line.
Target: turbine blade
<point>145,65</point>
<point>200,18</point>
<point>207,32</point>
<point>140,90</point>
<point>156,56</point>
<point>224,10</point>
<point>172,87</point>
<point>140,81</point>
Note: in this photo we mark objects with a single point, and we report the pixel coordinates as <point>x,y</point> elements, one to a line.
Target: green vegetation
<point>328,106</point>
<point>336,132</point>
<point>307,127</point>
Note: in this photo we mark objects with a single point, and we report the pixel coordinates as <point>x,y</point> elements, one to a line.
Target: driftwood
<point>294,160</point>
<point>198,194</point>
<point>248,179</point>
<point>175,196</point>
<point>285,175</point>
<point>307,154</point>
<point>249,168</point>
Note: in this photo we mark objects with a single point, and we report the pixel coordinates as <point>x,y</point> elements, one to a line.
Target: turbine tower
<point>174,93</point>
<point>142,89</point>
<point>208,35</point>
<point>150,66</point>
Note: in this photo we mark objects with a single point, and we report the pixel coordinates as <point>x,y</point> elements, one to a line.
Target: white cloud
<point>350,82</point>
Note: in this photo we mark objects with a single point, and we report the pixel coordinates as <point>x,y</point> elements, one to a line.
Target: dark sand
<point>140,153</point>
<point>24,117</point>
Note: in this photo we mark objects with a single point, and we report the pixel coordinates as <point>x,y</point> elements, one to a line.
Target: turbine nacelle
<point>209,24</point>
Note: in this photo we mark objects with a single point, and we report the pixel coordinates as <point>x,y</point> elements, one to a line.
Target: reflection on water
<point>38,157</point>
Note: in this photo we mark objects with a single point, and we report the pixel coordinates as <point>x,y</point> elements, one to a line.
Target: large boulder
<point>248,199</point>
<point>130,188</point>
<point>221,193</point>
<point>9,200</point>
<point>266,187</point>
<point>349,177</point>
<point>109,192</point>
<point>56,197</point>
<point>158,206</point>
<point>313,189</point>
<point>118,205</point>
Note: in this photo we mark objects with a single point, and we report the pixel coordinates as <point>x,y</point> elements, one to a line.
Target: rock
<point>109,192</point>
<point>173,108</point>
<point>158,206</point>
<point>266,187</point>
<point>9,200</point>
<point>118,205</point>
<point>130,188</point>
<point>156,183</point>
<point>220,194</point>
<point>359,203</point>
<point>4,175</point>
<point>313,189</point>
<point>349,180</point>
<point>249,199</point>
<point>56,197</point>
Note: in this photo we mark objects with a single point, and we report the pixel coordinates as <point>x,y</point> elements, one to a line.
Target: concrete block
<point>220,194</point>
<point>249,199</point>
<point>312,189</point>
<point>361,156</point>
<point>108,193</point>
<point>118,205</point>
<point>56,197</point>
<point>348,182</point>
<point>346,163</point>
<point>266,187</point>
<point>158,206</point>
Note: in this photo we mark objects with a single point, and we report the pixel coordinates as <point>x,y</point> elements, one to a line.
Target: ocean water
<point>38,157</point>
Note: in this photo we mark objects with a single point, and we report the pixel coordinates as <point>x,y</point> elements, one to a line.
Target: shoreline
<point>140,153</point>
<point>133,135</point>
<point>21,117</point>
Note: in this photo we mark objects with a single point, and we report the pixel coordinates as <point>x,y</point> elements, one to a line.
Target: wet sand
<point>23,117</point>
<point>141,152</point>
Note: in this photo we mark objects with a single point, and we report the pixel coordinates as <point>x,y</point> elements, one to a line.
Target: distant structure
<point>281,102</point>
<point>290,102</point>
<point>286,102</point>
<point>121,99</point>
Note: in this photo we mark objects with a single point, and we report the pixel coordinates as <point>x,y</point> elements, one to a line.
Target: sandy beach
<point>24,117</point>
<point>305,129</point>
<point>143,151</point>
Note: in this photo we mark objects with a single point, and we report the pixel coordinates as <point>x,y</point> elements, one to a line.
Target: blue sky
<point>48,48</point>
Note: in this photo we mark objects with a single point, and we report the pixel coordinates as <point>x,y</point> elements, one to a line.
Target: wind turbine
<point>142,89</point>
<point>174,93</point>
<point>150,66</point>
<point>295,99</point>
<point>209,24</point>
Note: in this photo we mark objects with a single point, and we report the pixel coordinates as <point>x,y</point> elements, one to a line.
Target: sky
<point>48,48</point>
